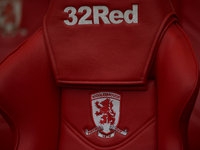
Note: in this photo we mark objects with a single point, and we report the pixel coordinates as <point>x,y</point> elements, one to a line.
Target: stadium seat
<point>102,75</point>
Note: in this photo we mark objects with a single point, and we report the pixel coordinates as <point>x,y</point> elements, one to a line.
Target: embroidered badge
<point>106,114</point>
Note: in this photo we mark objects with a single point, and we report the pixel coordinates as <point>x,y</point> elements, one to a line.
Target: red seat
<point>102,75</point>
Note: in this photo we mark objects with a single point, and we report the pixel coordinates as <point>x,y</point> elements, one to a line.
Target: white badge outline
<point>99,128</point>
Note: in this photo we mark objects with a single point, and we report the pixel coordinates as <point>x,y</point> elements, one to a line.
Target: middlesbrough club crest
<point>106,114</point>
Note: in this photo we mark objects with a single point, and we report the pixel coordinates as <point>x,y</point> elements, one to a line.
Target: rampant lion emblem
<point>106,109</point>
<point>105,114</point>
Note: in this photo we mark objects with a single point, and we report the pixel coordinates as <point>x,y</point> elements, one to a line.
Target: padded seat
<point>187,12</point>
<point>102,75</point>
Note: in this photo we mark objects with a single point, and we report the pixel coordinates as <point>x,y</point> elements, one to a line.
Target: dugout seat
<point>101,75</point>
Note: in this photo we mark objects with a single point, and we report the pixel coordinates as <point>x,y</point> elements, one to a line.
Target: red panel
<point>102,48</point>
<point>30,96</point>
<point>30,20</point>
<point>177,81</point>
<point>188,12</point>
<point>191,25</point>
<point>74,142</point>
<point>77,117</point>
<point>6,136</point>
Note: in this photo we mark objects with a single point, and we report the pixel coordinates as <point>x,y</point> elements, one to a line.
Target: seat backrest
<point>102,75</point>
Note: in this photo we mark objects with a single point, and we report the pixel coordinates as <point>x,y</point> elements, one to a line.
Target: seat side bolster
<point>29,96</point>
<point>176,73</point>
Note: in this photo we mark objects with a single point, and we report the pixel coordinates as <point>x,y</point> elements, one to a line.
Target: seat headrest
<point>104,42</point>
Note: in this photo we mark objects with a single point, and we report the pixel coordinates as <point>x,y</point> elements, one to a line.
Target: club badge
<point>106,114</point>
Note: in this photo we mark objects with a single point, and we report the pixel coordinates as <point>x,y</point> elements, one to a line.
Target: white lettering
<point>71,15</point>
<point>134,13</point>
<point>84,17</point>
<point>97,14</point>
<point>113,17</point>
<point>101,12</point>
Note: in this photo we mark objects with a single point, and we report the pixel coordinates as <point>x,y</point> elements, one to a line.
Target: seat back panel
<point>84,110</point>
<point>109,53</point>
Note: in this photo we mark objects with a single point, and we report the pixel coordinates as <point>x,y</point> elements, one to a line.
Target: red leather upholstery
<point>187,12</point>
<point>29,17</point>
<point>102,85</point>
<point>6,136</point>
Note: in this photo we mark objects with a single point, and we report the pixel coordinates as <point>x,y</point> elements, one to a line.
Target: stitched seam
<point>16,129</point>
<point>50,46</point>
<point>146,64</point>
<point>99,81</point>
<point>136,134</point>
<point>11,53</point>
<point>196,82</point>
<point>150,57</point>
<point>156,38</point>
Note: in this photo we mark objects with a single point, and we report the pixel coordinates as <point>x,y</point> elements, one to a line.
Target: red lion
<point>107,111</point>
